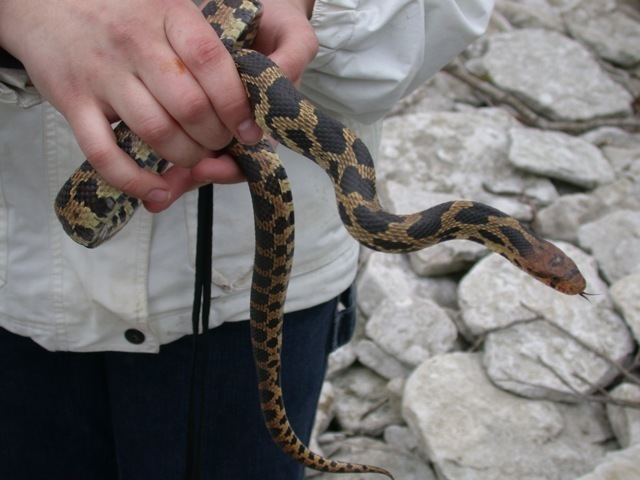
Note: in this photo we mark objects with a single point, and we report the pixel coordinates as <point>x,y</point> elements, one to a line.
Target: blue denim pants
<point>114,415</point>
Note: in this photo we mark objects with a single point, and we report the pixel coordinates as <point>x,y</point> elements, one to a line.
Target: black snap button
<point>134,336</point>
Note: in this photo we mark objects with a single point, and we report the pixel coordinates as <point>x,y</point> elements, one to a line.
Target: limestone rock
<point>562,219</point>
<point>625,421</point>
<point>381,362</point>
<point>558,78</point>
<point>495,294</point>
<point>526,349</point>
<point>363,403</point>
<point>601,25</point>
<point>525,15</point>
<point>619,465</point>
<point>389,276</point>
<point>461,154</point>
<point>614,241</point>
<point>411,329</point>
<point>402,464</point>
<point>625,297</point>
<point>402,437</point>
<point>538,359</point>
<point>470,429</point>
<point>560,156</point>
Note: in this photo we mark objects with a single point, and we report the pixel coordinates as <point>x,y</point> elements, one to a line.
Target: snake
<point>91,211</point>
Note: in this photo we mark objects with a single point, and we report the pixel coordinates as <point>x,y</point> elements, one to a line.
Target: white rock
<point>363,404</point>
<point>626,299</point>
<point>471,430</point>
<point>614,241</point>
<point>625,421</point>
<point>560,156</point>
<point>523,15</point>
<point>495,294</point>
<point>613,136</point>
<point>381,362</point>
<point>461,154</point>
<point>402,464</point>
<point>390,276</point>
<point>402,437</point>
<point>538,360</point>
<point>558,77</point>
<point>531,356</point>
<point>620,465</point>
<point>411,329</point>
<point>610,32</point>
<point>562,218</point>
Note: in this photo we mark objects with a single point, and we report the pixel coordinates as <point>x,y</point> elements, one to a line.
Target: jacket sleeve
<point>374,52</point>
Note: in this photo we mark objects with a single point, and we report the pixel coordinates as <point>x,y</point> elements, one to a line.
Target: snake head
<point>554,268</point>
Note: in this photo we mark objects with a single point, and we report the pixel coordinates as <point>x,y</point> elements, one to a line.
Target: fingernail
<point>249,132</point>
<point>158,196</point>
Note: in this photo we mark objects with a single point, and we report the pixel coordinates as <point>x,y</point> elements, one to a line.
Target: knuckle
<point>98,155</point>
<point>155,130</point>
<point>205,51</point>
<point>194,108</point>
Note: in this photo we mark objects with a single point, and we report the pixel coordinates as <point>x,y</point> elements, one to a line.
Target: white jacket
<point>372,53</point>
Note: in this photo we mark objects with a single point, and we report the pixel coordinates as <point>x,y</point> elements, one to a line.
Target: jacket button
<point>134,336</point>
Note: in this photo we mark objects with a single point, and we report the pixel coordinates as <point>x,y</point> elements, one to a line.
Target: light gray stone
<point>601,25</point>
<point>619,465</point>
<point>529,356</point>
<point>539,360</point>
<point>560,156</point>
<point>363,404</point>
<point>461,154</point>
<point>562,218</point>
<point>495,294</point>
<point>390,276</point>
<point>411,329</point>
<point>402,437</point>
<point>614,241</point>
<point>381,362</point>
<point>558,78</point>
<point>625,421</point>
<point>627,300</point>
<point>524,15</point>
<point>402,464</point>
<point>472,430</point>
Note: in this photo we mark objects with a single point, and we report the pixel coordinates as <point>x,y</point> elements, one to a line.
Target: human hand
<point>156,64</point>
<point>286,36</point>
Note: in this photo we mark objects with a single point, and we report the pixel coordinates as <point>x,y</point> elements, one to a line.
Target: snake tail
<point>273,205</point>
<point>90,210</point>
<point>295,122</point>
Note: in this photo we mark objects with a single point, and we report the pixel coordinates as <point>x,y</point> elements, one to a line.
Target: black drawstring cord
<point>200,317</point>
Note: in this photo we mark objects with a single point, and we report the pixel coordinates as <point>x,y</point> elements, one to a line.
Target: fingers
<point>206,58</point>
<point>221,170</point>
<point>95,136</point>
<point>286,35</point>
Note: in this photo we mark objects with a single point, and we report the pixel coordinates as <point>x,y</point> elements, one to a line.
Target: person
<point>78,397</point>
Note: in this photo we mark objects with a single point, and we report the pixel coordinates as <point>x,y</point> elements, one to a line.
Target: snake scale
<point>91,211</point>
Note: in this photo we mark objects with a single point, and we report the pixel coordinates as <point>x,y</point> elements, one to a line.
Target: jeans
<point>116,415</point>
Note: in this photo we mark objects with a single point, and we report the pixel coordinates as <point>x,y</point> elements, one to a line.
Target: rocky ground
<point>462,366</point>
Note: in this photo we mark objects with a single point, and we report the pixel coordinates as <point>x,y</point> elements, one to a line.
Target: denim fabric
<point>114,415</point>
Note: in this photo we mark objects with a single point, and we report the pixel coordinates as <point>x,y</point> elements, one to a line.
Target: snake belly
<point>91,211</point>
